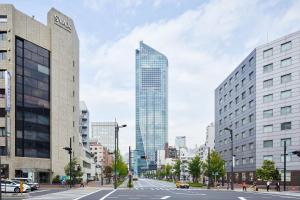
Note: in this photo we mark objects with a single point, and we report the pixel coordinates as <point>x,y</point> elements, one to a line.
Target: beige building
<point>101,155</point>
<point>43,61</point>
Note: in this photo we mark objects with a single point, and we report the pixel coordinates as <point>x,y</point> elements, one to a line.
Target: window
<point>243,95</point>
<point>268,157</point>
<point>230,116</point>
<point>268,98</point>
<point>236,112</point>
<point>243,82</point>
<point>236,124</point>
<point>237,162</point>
<point>268,128</point>
<point>220,121</point>
<point>230,81</point>
<point>251,76</point>
<point>237,99</point>
<point>2,74</point>
<point>236,87</point>
<point>268,53</point>
<point>3,18</point>
<point>220,111</point>
<point>286,46</point>
<point>244,148</point>
<point>251,118</point>
<point>244,134</point>
<point>286,62</point>
<point>288,157</point>
<point>286,110</point>
<point>225,85</point>
<point>2,55</point>
<point>268,143</point>
<point>286,126</point>
<point>230,104</point>
<point>225,97</point>
<point>220,90</point>
<point>2,35</point>
<point>225,108</point>
<point>251,131</point>
<point>268,83</point>
<point>251,145</point>
<point>286,78</point>
<point>230,93</point>
<point>225,118</point>
<point>268,68</point>
<point>251,160</point>
<point>244,68</point>
<point>251,61</point>
<point>268,113</point>
<point>285,94</point>
<point>244,121</point>
<point>220,101</point>
<point>287,175</point>
<point>287,140</point>
<point>244,160</point>
<point>251,89</point>
<point>243,108</point>
<point>236,75</point>
<point>251,103</point>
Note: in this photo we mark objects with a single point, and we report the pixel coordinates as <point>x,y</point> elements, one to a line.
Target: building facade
<point>151,104</point>
<point>42,93</point>
<point>84,124</point>
<point>180,142</point>
<point>104,133</point>
<point>259,101</point>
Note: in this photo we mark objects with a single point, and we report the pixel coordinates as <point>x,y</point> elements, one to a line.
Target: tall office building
<point>180,142</point>
<point>104,133</point>
<point>84,123</point>
<point>151,105</point>
<point>259,101</point>
<point>42,93</point>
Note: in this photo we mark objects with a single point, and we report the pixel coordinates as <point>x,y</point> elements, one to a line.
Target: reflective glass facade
<point>151,105</point>
<point>32,100</point>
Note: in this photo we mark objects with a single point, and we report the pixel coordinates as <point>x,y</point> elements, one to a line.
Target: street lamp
<point>232,157</point>
<point>117,127</point>
<point>296,153</point>
<point>69,150</point>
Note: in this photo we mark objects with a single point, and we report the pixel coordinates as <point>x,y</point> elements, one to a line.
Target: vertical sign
<point>7,91</point>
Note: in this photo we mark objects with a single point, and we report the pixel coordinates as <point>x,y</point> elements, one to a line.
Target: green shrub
<point>56,179</point>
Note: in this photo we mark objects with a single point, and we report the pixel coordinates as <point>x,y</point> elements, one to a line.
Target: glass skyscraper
<point>151,105</point>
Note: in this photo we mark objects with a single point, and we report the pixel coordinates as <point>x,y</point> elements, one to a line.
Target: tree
<point>75,168</point>
<point>168,171</point>
<point>195,168</point>
<point>268,171</point>
<point>216,166</point>
<point>107,171</point>
<point>121,166</point>
<point>177,169</point>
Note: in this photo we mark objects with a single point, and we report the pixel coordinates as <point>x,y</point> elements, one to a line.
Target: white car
<point>10,186</point>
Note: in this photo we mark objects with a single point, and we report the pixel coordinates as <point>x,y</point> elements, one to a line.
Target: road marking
<point>242,198</point>
<point>107,195</point>
<point>86,195</point>
<point>165,197</point>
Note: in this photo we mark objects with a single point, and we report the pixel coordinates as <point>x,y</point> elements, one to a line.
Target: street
<point>153,189</point>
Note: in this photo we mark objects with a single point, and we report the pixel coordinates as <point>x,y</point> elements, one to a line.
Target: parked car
<point>181,184</point>
<point>11,186</point>
<point>135,178</point>
<point>27,181</point>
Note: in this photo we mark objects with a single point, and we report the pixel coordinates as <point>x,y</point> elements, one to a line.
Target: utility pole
<point>284,165</point>
<point>69,150</point>
<point>115,167</point>
<point>208,166</point>
<point>232,157</point>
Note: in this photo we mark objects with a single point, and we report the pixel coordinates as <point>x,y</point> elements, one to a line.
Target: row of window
<point>3,18</point>
<point>283,48</point>
<point>283,95</point>
<point>244,121</point>
<point>237,111</point>
<point>283,79</point>
<point>283,126</point>
<point>3,55</point>
<point>269,143</point>
<point>270,157</point>
<point>283,63</point>
<point>237,99</point>
<point>283,111</point>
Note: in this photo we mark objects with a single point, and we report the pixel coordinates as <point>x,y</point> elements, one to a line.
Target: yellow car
<point>180,184</point>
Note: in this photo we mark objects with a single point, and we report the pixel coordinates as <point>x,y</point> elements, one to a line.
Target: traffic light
<point>68,149</point>
<point>296,153</point>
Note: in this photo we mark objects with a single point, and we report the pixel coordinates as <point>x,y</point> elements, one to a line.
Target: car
<point>11,186</point>
<point>181,184</point>
<point>135,178</point>
<point>27,181</point>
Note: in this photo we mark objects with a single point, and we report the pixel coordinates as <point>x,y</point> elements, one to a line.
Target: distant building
<point>151,104</point>
<point>101,155</point>
<point>84,124</point>
<point>186,156</point>
<point>180,142</point>
<point>104,133</point>
<point>209,141</point>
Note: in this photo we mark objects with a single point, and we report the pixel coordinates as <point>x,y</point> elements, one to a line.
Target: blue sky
<point>203,40</point>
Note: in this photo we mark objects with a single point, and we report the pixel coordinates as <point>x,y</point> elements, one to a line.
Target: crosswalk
<point>160,188</point>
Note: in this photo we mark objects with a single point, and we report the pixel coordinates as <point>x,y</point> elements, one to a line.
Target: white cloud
<point>203,46</point>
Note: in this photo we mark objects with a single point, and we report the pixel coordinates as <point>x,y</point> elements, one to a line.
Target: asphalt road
<point>145,189</point>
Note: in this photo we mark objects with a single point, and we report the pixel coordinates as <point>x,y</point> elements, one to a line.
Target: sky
<point>203,40</point>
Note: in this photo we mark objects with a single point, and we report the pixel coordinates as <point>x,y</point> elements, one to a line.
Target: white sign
<point>7,91</point>
<point>63,23</point>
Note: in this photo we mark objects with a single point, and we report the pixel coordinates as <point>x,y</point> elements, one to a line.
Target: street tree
<point>195,168</point>
<point>168,169</point>
<point>121,166</point>
<point>216,167</point>
<point>177,169</point>
<point>76,170</point>
<point>268,171</point>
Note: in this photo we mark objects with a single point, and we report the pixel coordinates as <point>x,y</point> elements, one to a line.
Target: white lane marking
<point>86,195</point>
<point>165,197</point>
<point>242,198</point>
<point>107,195</point>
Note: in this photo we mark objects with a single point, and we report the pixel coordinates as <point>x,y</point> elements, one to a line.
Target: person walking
<point>278,186</point>
<point>268,185</point>
<point>244,186</point>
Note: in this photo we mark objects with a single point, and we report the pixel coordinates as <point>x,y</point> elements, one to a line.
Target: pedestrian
<point>268,185</point>
<point>278,186</point>
<point>244,186</point>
